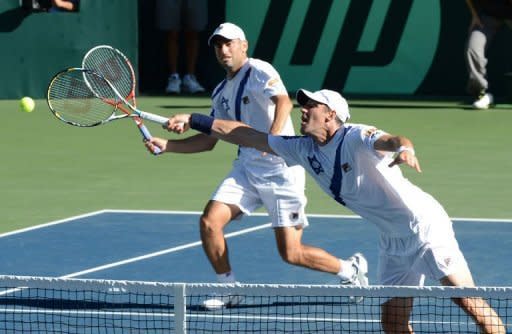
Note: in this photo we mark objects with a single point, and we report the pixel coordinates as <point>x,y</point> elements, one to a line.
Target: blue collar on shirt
<point>239,93</point>
<point>337,177</point>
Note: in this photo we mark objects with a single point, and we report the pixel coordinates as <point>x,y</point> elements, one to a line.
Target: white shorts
<point>433,252</point>
<point>281,194</point>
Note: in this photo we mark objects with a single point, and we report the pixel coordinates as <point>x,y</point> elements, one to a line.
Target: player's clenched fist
<point>155,142</point>
<point>178,123</point>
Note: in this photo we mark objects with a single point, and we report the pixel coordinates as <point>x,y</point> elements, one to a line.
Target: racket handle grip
<point>147,136</point>
<point>154,118</point>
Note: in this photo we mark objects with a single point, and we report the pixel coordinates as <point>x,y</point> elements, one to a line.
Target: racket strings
<point>117,69</point>
<point>114,67</point>
<point>76,97</point>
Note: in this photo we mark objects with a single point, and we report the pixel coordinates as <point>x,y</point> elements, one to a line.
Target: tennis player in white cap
<point>254,93</point>
<point>357,165</point>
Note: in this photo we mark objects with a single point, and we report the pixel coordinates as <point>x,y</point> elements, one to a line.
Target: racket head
<point>118,70</point>
<point>82,97</point>
<point>114,66</point>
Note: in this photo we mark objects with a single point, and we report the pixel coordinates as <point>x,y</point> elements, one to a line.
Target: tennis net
<point>58,305</point>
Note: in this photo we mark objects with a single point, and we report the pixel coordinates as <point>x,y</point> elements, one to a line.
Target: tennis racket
<point>117,69</point>
<point>85,98</point>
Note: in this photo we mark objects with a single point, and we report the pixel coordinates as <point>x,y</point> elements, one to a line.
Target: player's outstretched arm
<point>230,131</point>
<point>193,144</point>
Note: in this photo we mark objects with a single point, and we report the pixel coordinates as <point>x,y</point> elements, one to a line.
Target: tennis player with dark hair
<point>254,93</point>
<point>357,165</point>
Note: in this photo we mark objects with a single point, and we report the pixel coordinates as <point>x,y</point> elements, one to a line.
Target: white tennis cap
<point>328,97</point>
<point>228,31</point>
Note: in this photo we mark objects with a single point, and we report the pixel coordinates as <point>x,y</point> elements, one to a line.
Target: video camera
<point>36,5</point>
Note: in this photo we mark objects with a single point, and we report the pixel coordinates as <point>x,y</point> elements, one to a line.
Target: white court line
<point>190,245</point>
<point>147,256</point>
<point>162,252</point>
<point>178,248</point>
<point>168,212</point>
<point>311,215</point>
<point>56,222</point>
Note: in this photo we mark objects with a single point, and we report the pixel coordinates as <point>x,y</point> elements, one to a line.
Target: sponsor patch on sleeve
<point>273,81</point>
<point>370,132</point>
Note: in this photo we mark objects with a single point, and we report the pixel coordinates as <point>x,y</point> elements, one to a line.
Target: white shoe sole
<point>363,270</point>
<point>216,303</point>
<point>213,304</point>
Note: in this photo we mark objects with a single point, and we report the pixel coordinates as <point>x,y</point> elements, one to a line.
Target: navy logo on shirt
<point>225,103</point>
<point>346,167</point>
<point>245,100</point>
<point>315,165</point>
<point>294,216</point>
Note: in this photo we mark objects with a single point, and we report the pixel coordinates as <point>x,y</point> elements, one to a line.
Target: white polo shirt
<point>361,180</point>
<point>246,98</point>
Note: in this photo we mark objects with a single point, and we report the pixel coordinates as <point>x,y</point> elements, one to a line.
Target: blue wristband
<point>201,123</point>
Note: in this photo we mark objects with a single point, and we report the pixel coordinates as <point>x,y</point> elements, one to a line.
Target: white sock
<point>228,277</point>
<point>346,271</point>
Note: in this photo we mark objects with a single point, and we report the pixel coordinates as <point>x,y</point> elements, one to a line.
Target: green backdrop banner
<point>37,45</point>
<point>397,47</point>
<point>367,47</point>
<point>346,44</point>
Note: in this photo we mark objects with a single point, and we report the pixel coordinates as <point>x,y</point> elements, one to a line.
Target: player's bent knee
<point>209,226</point>
<point>290,256</point>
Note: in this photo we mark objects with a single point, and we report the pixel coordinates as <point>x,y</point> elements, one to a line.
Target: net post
<point>180,318</point>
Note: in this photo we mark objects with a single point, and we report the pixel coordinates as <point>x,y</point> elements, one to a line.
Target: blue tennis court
<point>121,246</point>
<point>165,246</point>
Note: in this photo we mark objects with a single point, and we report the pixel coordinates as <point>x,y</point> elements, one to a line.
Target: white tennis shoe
<point>174,84</point>
<point>360,277</point>
<point>191,85</point>
<point>484,101</point>
<point>215,302</point>
<point>360,266</point>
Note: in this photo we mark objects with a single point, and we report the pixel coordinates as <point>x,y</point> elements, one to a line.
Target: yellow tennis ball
<point>27,104</point>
